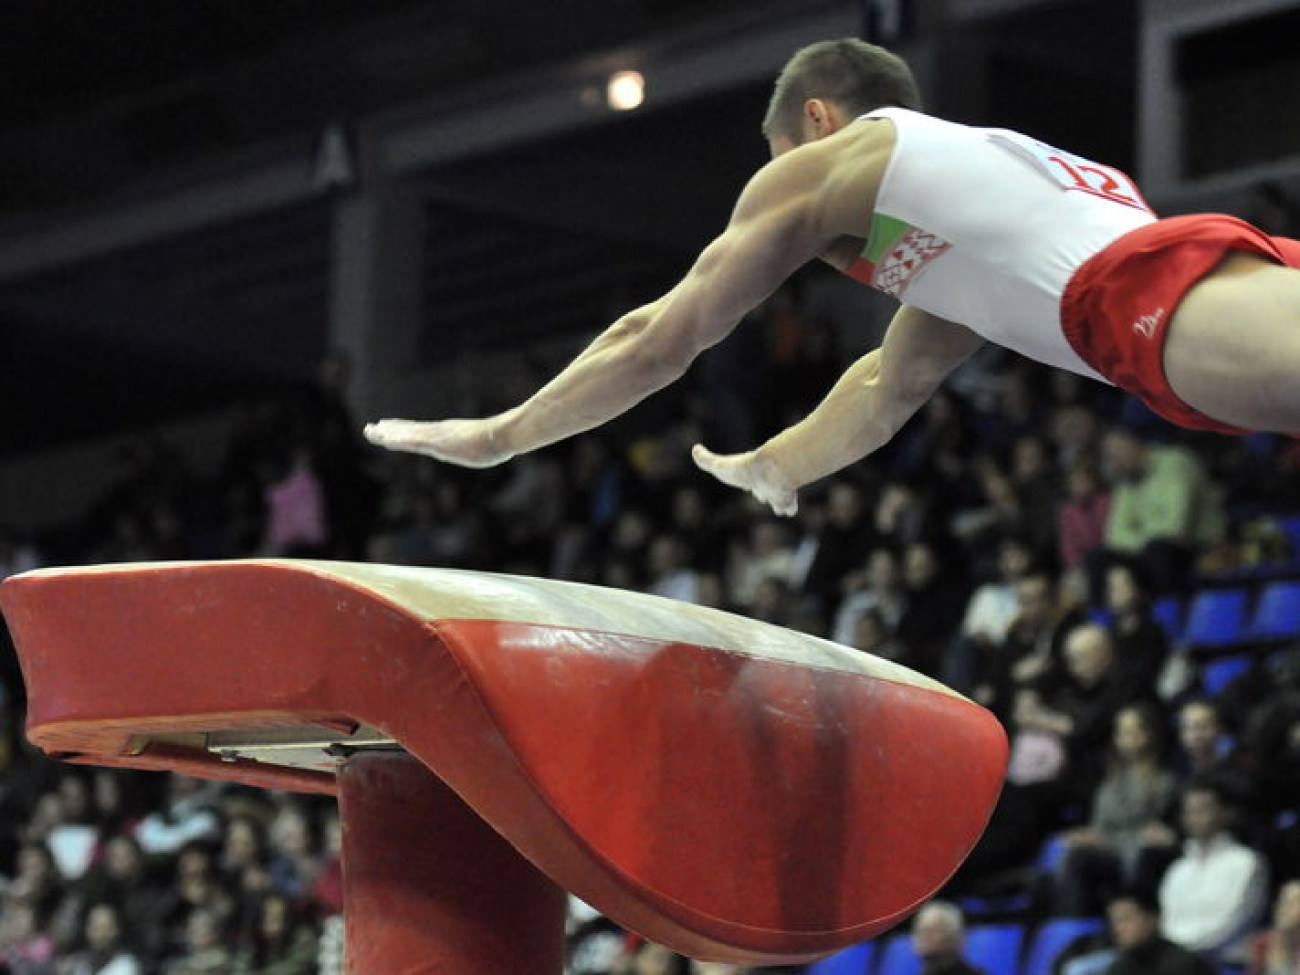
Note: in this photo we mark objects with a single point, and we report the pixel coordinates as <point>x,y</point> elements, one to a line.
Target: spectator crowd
<point>1012,541</point>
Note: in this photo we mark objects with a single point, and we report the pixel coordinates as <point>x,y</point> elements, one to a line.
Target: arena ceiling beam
<point>435,132</point>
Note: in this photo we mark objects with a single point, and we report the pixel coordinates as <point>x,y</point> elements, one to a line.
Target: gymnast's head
<point>828,84</point>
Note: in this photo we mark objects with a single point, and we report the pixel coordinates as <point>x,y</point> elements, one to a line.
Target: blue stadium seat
<point>898,958</point>
<point>851,961</point>
<point>1291,525</point>
<point>1000,905</point>
<point>1217,674</point>
<point>1053,937</point>
<point>1216,618</point>
<point>1277,615</point>
<point>1168,611</point>
<point>995,948</point>
<point>1051,852</point>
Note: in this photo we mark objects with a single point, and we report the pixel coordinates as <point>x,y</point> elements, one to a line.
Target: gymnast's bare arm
<point>862,412</point>
<point>778,225</point>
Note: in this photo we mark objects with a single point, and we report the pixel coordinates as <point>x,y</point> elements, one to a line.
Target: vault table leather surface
<point>724,786</point>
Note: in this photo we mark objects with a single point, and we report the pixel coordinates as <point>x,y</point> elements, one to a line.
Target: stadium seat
<point>1053,937</point>
<point>851,961</point>
<point>1291,525</point>
<point>995,948</point>
<point>1277,615</point>
<point>898,958</point>
<point>1168,611</point>
<point>1217,674</point>
<point>1216,618</point>
<point>999,905</point>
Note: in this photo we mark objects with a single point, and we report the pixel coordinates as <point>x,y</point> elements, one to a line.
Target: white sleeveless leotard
<point>986,226</point>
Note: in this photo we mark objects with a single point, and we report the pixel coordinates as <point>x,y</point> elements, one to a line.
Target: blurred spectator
<point>72,840</point>
<point>804,359</point>
<point>1033,648</point>
<point>934,450</point>
<point>349,494</point>
<point>331,949</point>
<point>1081,523</point>
<point>1162,507</point>
<point>1273,733</point>
<point>995,511</point>
<point>1017,410</point>
<point>105,951</point>
<point>244,861</point>
<point>25,948</point>
<point>197,891</point>
<point>692,521</point>
<point>900,516</point>
<point>629,541</point>
<point>994,605</point>
<point>125,880</point>
<point>295,505</point>
<point>938,938</point>
<point>1074,431</point>
<point>1037,484</point>
<point>1215,894</point>
<point>1135,924</point>
<point>840,544</point>
<point>766,554</point>
<point>648,958</point>
<point>1118,846</point>
<point>599,482</point>
<point>327,887</point>
<point>1079,710</point>
<point>118,798</point>
<point>36,880</point>
<point>204,950</point>
<point>873,635</point>
<point>936,600</point>
<point>188,813</point>
<point>876,588</point>
<point>773,602</point>
<point>1140,640</point>
<point>670,575</point>
<point>1205,748</point>
<point>595,945</point>
<point>294,863</point>
<point>281,943</point>
<point>1277,950</point>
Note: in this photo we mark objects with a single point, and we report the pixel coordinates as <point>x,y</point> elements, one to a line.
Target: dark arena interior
<point>234,232</point>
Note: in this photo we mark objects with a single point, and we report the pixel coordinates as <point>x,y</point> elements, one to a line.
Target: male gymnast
<point>982,235</point>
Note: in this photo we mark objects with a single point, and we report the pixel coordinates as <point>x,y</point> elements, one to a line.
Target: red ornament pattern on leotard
<point>906,259</point>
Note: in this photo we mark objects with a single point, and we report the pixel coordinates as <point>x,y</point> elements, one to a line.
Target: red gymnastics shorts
<point>1116,308</point>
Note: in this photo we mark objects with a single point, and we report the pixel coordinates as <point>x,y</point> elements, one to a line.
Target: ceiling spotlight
<point>625,90</point>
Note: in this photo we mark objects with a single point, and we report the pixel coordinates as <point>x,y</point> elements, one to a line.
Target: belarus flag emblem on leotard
<point>895,254</point>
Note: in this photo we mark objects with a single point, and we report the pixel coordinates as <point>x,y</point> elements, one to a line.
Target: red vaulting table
<point>732,789</point>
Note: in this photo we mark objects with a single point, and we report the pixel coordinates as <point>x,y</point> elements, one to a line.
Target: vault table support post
<point>431,889</point>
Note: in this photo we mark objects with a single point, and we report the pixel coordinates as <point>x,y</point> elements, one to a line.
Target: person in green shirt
<point>1163,509</point>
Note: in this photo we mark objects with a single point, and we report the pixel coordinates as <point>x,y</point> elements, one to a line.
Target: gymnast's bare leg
<point>1233,346</point>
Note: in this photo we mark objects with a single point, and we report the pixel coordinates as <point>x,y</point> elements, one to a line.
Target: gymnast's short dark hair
<point>855,75</point>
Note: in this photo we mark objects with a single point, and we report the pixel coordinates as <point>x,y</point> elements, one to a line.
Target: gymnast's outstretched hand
<point>469,443</point>
<point>750,472</point>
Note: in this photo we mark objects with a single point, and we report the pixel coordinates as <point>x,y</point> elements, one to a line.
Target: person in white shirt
<point>1216,893</point>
